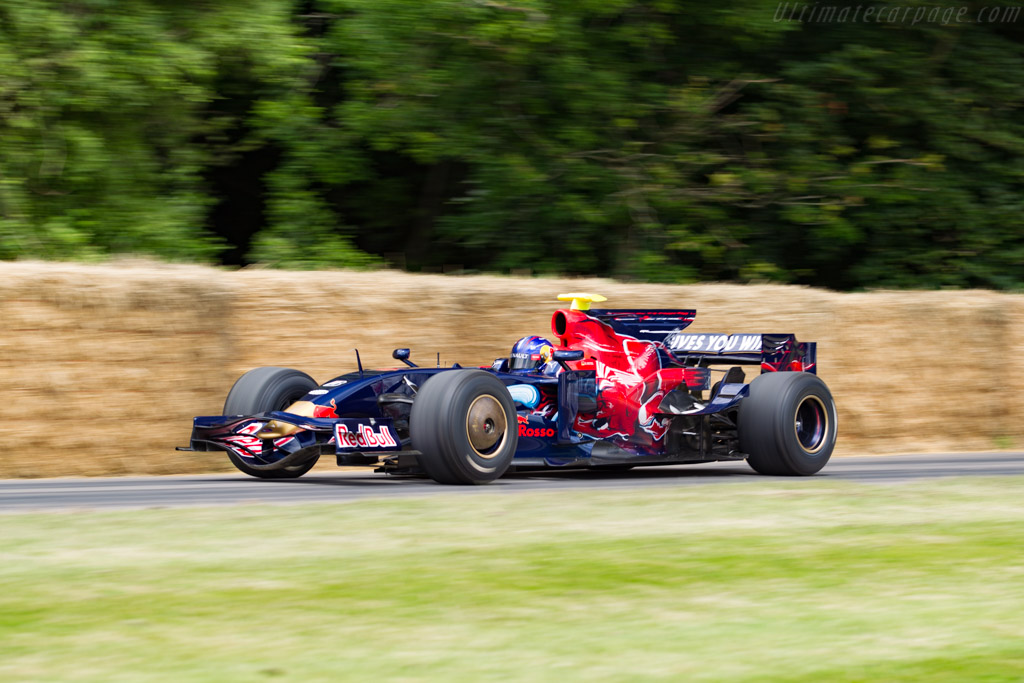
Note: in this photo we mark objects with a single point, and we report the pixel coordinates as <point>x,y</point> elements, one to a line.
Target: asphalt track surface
<point>348,485</point>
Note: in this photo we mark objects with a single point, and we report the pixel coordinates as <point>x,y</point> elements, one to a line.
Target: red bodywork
<point>629,374</point>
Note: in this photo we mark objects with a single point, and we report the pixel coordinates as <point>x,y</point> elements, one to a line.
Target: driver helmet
<point>530,353</point>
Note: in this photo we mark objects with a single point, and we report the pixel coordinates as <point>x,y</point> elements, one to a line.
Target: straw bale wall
<point>102,367</point>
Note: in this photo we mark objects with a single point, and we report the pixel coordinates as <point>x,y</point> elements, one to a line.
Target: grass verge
<point>776,580</point>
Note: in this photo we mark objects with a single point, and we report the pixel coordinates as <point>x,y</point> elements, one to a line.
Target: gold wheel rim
<point>820,438</point>
<point>486,426</point>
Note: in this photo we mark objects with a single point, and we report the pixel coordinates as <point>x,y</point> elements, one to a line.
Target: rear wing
<point>773,352</point>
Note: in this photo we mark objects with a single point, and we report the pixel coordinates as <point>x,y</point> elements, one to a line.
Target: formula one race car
<point>619,388</point>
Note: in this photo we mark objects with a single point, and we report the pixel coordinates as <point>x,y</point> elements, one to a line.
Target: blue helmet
<point>530,353</point>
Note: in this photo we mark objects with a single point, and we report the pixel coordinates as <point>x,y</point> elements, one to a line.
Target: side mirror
<point>403,355</point>
<point>560,356</point>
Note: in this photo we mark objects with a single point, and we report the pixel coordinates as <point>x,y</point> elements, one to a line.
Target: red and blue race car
<point>616,389</point>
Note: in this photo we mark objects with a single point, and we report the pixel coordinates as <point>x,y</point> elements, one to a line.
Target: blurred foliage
<point>106,123</point>
<point>648,139</point>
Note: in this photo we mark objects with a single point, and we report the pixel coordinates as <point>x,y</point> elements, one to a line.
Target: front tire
<point>787,425</point>
<point>463,423</point>
<point>261,391</point>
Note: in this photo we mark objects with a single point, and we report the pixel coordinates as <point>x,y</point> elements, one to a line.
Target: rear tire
<point>787,425</point>
<point>463,423</point>
<point>261,391</point>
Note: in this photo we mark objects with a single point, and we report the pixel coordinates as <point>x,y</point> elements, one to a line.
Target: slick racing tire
<point>787,425</point>
<point>263,390</point>
<point>463,423</point>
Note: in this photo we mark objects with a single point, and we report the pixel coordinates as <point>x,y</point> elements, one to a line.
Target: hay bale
<point>1009,379</point>
<point>916,368</point>
<point>103,367</point>
<point>889,357</point>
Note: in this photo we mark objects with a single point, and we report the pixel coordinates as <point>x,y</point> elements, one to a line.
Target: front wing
<point>238,435</point>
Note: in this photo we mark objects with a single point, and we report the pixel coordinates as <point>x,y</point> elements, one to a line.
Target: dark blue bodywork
<point>546,409</point>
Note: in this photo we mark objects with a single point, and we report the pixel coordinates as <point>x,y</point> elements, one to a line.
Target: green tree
<point>111,114</point>
<point>650,139</point>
